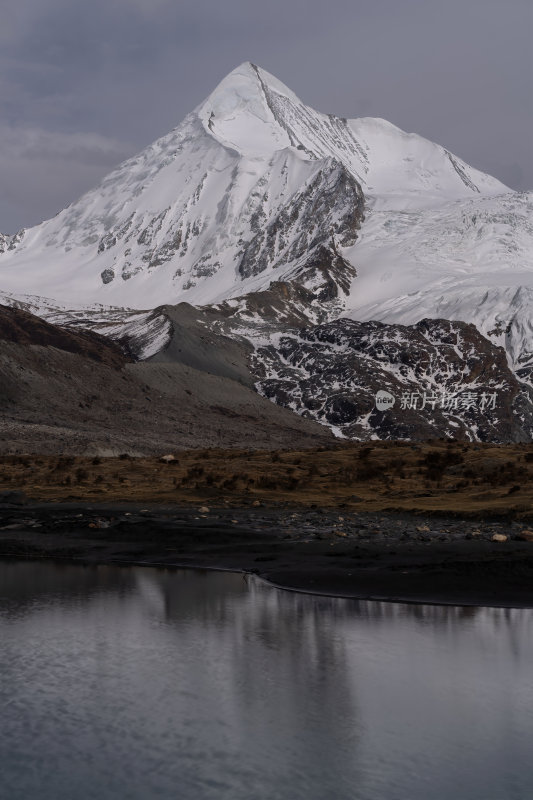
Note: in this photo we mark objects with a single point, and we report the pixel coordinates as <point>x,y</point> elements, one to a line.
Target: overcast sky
<point>84,85</point>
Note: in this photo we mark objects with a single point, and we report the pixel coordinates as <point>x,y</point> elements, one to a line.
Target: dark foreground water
<point>145,683</point>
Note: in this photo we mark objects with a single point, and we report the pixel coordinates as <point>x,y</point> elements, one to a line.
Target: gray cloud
<point>460,73</point>
<point>35,144</point>
<point>42,172</point>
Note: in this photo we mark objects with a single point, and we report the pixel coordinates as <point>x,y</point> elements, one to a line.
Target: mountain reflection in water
<point>137,683</point>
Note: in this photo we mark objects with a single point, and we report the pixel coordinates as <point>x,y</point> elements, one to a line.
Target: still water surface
<point>144,683</point>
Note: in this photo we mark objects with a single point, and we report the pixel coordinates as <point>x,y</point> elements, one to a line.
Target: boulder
<point>500,537</point>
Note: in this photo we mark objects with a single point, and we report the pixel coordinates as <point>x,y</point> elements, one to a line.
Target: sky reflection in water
<point>145,683</point>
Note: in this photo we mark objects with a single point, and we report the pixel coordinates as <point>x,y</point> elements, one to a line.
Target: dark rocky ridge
<point>447,379</point>
<point>76,392</point>
<point>332,373</point>
<point>22,328</point>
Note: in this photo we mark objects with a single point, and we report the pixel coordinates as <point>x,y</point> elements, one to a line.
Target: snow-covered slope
<point>466,260</point>
<point>251,187</point>
<point>221,205</point>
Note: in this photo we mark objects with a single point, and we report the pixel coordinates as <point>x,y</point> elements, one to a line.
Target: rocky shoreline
<point>399,556</point>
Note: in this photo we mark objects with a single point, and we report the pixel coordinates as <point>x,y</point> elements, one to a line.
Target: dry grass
<point>435,476</point>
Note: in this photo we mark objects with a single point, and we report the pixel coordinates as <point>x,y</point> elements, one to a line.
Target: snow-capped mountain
<point>252,186</point>
<point>275,217</point>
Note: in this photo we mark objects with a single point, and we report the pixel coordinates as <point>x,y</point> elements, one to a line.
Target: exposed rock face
<point>10,242</point>
<point>285,305</point>
<point>327,209</point>
<point>445,379</point>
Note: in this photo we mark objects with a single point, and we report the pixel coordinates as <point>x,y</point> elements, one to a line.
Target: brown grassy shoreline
<point>433,477</point>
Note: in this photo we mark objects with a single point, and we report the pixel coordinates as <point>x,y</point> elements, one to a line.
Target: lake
<point>152,683</point>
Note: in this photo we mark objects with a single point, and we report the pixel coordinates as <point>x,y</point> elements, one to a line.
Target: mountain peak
<point>245,191</point>
<point>248,79</point>
<point>238,112</point>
